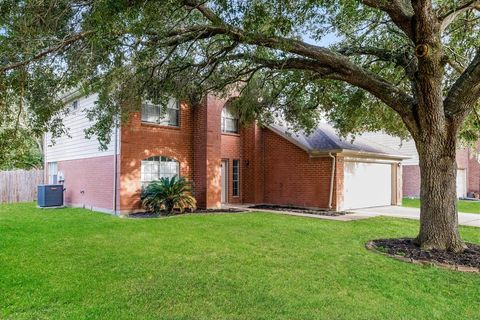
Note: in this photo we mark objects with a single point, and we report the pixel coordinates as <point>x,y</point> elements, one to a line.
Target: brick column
<point>253,166</point>
<point>473,171</point>
<point>339,181</point>
<point>207,143</point>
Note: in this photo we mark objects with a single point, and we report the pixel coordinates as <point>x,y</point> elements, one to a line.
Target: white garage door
<point>367,185</point>
<point>461,183</point>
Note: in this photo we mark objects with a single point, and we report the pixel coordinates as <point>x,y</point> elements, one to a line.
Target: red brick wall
<point>339,180</point>
<point>294,178</point>
<point>207,145</point>
<point>140,141</point>
<point>210,148</point>
<point>197,144</point>
<point>200,153</point>
<point>214,112</point>
<point>411,174</point>
<point>252,175</point>
<point>89,182</point>
<point>474,171</point>
<point>272,169</point>
<point>231,148</point>
<point>463,156</point>
<point>411,181</point>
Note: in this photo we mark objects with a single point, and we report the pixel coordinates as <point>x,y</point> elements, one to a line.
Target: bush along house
<point>226,163</point>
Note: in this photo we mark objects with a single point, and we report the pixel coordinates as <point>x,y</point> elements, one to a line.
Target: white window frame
<point>52,173</point>
<point>157,167</point>
<point>157,114</point>
<point>229,120</point>
<point>236,177</point>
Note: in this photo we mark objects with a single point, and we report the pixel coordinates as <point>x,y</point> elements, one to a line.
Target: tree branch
<point>400,11</point>
<point>400,59</point>
<point>465,92</point>
<point>183,35</point>
<point>383,90</point>
<point>326,62</point>
<point>426,22</point>
<point>447,18</point>
<point>38,56</point>
<point>457,66</point>
<point>324,58</point>
<point>205,11</point>
<point>378,87</point>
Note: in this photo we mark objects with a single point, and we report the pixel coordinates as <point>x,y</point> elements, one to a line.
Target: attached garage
<point>368,184</point>
<point>353,174</point>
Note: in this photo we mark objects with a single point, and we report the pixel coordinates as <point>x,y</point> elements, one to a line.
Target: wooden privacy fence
<point>19,185</point>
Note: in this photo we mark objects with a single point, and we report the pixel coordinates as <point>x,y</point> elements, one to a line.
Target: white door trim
<point>224,181</point>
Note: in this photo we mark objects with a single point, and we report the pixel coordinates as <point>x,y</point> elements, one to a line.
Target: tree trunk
<point>438,214</point>
<point>169,207</point>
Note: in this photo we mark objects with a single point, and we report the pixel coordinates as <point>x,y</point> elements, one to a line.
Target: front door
<point>224,178</point>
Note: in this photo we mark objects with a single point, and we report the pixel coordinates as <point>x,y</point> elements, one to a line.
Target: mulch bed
<point>330,213</point>
<point>406,250</point>
<point>198,211</point>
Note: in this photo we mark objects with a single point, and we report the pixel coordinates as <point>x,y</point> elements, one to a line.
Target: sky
<point>326,41</point>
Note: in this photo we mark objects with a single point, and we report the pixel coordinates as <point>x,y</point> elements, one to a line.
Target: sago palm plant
<point>168,194</point>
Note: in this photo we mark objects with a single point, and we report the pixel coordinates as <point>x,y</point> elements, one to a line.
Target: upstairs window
<point>155,168</point>
<point>168,116</point>
<point>229,119</point>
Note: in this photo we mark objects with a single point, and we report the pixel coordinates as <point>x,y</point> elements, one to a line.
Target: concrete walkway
<point>465,219</point>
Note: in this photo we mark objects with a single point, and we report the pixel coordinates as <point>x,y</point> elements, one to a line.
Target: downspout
<point>115,167</point>
<point>332,180</point>
<point>45,163</point>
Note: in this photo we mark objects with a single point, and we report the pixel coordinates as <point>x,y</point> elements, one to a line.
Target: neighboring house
<point>468,164</point>
<point>227,163</point>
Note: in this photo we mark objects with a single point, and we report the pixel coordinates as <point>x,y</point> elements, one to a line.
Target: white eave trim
<point>71,95</point>
<point>365,154</point>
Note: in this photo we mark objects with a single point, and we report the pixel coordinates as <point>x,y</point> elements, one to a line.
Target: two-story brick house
<point>226,162</point>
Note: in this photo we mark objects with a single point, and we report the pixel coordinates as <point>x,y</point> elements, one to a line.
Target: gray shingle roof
<point>324,139</point>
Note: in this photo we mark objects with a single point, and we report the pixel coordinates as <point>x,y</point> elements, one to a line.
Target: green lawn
<point>463,205</point>
<point>76,264</point>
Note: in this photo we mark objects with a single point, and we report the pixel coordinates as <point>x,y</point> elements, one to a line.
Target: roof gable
<point>324,139</point>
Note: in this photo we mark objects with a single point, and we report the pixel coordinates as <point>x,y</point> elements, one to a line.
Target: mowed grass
<point>77,264</point>
<point>463,205</point>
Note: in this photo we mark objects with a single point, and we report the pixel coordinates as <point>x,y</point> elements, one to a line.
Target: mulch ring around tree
<point>320,212</point>
<point>176,213</point>
<point>406,250</point>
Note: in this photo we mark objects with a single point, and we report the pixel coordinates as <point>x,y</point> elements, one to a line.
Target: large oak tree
<point>407,67</point>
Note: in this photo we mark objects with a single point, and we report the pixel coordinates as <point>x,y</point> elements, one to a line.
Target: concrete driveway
<point>465,219</point>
